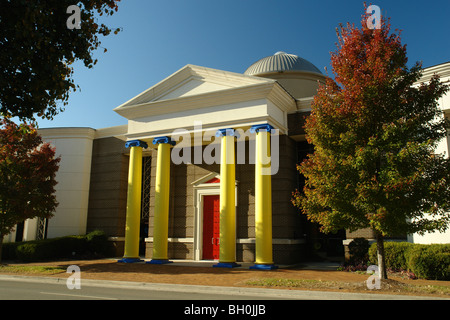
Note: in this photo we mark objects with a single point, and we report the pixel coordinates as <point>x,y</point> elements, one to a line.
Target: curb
<point>232,291</point>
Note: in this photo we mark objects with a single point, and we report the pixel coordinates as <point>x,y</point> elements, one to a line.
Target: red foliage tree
<point>374,133</point>
<point>27,176</point>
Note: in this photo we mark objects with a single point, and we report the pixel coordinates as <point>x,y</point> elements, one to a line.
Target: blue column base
<point>158,261</point>
<point>129,260</point>
<point>264,267</point>
<point>226,265</point>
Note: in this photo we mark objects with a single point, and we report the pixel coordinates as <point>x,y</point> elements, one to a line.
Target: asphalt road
<point>42,288</point>
<point>23,290</point>
<point>230,306</point>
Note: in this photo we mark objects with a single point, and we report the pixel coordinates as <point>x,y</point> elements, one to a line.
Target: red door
<point>211,227</point>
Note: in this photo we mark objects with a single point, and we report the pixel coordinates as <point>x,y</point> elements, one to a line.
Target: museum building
<point>203,169</point>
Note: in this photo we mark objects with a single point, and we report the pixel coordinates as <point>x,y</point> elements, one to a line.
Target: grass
<point>48,270</point>
<point>390,286</point>
<point>302,284</point>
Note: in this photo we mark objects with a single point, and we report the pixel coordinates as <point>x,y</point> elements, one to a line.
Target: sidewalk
<point>231,291</point>
<point>193,276</point>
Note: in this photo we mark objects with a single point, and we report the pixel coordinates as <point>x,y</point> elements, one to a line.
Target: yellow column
<point>133,218</point>
<point>227,258</point>
<point>263,199</point>
<point>162,193</point>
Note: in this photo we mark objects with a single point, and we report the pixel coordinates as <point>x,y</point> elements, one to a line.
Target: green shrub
<point>34,251</point>
<point>425,261</point>
<point>430,261</point>
<point>358,250</point>
<point>94,244</point>
<point>63,247</point>
<point>9,251</point>
<point>395,254</point>
<point>98,244</point>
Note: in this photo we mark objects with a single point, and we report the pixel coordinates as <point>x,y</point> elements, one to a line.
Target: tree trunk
<point>381,256</point>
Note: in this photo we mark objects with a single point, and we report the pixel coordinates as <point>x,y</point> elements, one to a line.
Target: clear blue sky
<point>161,36</point>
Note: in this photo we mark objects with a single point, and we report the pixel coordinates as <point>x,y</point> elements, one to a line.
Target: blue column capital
<point>227,132</point>
<point>256,128</point>
<point>161,140</point>
<point>136,143</point>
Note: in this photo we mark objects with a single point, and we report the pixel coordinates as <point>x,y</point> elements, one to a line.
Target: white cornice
<point>304,104</point>
<point>187,73</point>
<point>282,99</point>
<point>443,70</point>
<point>244,124</point>
<point>116,132</point>
<point>215,98</point>
<point>69,132</point>
<point>224,77</point>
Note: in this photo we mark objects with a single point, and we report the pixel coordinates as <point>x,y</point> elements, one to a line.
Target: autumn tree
<point>27,176</point>
<point>375,133</point>
<point>37,51</point>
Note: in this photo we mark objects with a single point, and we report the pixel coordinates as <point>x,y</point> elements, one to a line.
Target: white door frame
<point>202,189</point>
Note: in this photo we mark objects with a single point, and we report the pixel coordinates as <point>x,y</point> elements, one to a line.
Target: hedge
<point>93,244</point>
<point>430,262</point>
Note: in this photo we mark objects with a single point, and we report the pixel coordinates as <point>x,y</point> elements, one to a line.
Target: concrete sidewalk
<point>324,266</point>
<point>231,291</point>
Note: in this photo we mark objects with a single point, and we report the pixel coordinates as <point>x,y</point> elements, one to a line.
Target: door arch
<point>207,186</point>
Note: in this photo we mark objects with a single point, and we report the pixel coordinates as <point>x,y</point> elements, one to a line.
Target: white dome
<point>281,62</point>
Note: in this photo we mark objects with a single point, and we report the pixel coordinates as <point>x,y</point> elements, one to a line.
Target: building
<point>188,175</point>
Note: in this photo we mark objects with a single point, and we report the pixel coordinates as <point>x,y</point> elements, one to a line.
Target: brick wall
<point>108,187</point>
<point>286,220</point>
<point>108,193</point>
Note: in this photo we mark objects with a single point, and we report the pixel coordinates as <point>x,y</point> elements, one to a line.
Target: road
<point>42,288</point>
<point>25,290</point>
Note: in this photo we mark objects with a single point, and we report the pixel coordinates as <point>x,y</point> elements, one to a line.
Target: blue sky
<point>161,36</point>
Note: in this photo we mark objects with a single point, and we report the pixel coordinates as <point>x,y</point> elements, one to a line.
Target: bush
<point>34,251</point>
<point>56,248</point>
<point>9,250</point>
<point>98,244</point>
<point>358,250</point>
<point>395,254</point>
<point>94,244</point>
<point>430,262</point>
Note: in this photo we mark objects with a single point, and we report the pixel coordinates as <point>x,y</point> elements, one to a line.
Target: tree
<point>27,176</point>
<point>374,134</point>
<point>37,50</point>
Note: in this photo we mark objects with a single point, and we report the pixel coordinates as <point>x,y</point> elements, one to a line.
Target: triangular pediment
<point>191,81</point>
<point>206,179</point>
<point>212,179</point>
<point>190,87</point>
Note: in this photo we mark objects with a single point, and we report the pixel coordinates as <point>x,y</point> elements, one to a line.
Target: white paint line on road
<point>77,295</point>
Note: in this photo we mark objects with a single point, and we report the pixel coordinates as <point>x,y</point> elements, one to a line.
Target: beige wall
<point>74,145</point>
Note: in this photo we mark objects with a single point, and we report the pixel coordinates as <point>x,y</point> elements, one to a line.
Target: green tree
<point>374,134</point>
<point>37,50</point>
<point>27,176</point>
